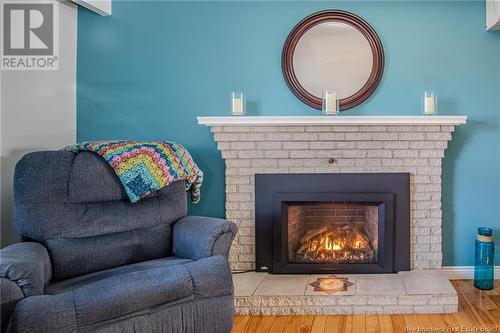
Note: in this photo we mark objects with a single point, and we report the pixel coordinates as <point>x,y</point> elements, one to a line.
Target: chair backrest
<point>75,205</point>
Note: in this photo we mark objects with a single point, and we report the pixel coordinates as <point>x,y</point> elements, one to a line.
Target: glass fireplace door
<point>332,232</point>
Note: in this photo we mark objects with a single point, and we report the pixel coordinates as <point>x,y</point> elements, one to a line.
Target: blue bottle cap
<point>484,231</point>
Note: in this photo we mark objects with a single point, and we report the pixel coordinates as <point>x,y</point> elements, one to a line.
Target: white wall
<point>38,112</point>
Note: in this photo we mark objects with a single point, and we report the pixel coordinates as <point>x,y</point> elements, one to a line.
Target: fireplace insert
<point>332,223</point>
<point>332,232</point>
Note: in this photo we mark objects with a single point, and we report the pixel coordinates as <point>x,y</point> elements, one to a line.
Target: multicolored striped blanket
<point>145,167</point>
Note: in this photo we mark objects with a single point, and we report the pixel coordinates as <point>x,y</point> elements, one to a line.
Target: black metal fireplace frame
<point>273,192</point>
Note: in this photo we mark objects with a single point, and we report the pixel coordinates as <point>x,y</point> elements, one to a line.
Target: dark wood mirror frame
<point>335,16</point>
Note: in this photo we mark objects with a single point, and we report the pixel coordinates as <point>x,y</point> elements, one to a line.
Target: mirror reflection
<point>333,56</point>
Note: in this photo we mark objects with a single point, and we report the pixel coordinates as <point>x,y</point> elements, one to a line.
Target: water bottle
<point>483,259</point>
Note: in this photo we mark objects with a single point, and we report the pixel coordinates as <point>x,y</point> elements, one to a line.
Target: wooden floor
<point>479,311</point>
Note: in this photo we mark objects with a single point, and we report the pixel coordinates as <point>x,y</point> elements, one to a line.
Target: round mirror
<point>333,50</point>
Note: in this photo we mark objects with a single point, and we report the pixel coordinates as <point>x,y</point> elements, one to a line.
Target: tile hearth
<point>406,292</point>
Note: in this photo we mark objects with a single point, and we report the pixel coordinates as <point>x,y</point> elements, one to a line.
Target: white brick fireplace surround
<point>338,144</point>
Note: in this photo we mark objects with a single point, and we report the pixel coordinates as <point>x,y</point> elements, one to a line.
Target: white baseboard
<point>464,272</point>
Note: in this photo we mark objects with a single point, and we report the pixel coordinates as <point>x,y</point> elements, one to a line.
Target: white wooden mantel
<point>331,120</point>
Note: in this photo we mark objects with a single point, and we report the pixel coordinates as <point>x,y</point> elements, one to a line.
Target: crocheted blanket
<point>145,167</point>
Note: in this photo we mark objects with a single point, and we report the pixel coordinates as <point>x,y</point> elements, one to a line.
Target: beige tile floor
<point>282,285</point>
<point>403,283</point>
<point>380,284</point>
<point>246,283</point>
<point>429,283</point>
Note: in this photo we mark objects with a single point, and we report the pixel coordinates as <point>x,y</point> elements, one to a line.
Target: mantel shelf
<point>330,120</point>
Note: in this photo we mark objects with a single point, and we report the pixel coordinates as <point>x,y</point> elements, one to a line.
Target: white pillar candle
<point>237,103</point>
<point>331,105</point>
<point>429,103</point>
<point>237,106</point>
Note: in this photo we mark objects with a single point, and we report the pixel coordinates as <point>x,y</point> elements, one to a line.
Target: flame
<point>331,245</point>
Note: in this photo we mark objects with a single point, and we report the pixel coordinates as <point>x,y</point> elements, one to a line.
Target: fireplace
<point>414,145</point>
<point>370,151</point>
<point>332,223</point>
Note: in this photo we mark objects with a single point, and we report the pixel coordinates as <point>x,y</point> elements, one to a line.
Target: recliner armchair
<point>91,261</point>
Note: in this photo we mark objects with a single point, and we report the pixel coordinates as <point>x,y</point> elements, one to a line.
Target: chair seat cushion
<point>82,280</point>
<point>113,293</point>
<point>130,292</point>
<point>116,292</point>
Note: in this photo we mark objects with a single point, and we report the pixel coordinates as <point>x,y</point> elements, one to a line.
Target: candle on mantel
<point>429,103</point>
<point>329,102</point>
<point>237,104</point>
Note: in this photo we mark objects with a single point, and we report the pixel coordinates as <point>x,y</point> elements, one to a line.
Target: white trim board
<point>464,272</point>
<point>101,7</point>
<point>330,120</point>
<point>492,15</point>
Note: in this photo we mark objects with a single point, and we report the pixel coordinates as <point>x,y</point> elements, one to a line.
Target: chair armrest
<point>44,314</point>
<point>28,265</point>
<point>197,237</point>
<point>11,294</point>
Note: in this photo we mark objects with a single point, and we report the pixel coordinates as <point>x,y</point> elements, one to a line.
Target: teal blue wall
<point>146,72</point>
